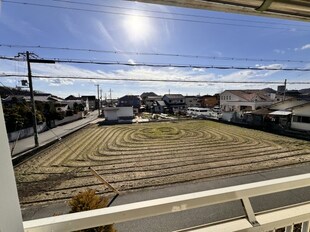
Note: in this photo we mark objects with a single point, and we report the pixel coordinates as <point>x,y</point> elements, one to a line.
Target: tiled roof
<point>251,95</point>
<point>174,96</point>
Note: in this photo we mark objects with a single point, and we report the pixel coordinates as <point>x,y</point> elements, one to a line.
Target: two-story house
<point>175,103</point>
<point>192,101</point>
<point>149,101</point>
<point>130,100</point>
<point>245,100</point>
<point>208,101</point>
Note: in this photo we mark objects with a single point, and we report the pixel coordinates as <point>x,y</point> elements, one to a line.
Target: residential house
<point>159,107</point>
<point>130,100</point>
<point>72,100</point>
<point>150,100</point>
<point>208,101</point>
<point>192,101</point>
<point>293,113</point>
<point>245,100</point>
<point>175,103</point>
<point>92,102</point>
<point>301,117</point>
<point>145,95</point>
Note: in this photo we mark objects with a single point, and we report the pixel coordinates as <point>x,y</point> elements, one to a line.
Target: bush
<point>88,200</point>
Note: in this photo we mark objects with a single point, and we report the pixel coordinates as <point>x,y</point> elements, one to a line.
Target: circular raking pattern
<point>137,156</point>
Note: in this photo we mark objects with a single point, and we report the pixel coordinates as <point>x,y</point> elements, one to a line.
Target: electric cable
<point>151,54</point>
<point>146,16</point>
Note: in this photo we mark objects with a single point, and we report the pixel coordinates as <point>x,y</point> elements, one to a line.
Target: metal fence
<point>282,218</point>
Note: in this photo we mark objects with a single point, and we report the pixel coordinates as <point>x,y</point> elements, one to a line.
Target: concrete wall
<point>27,132</point>
<point>72,118</point>
<point>24,133</point>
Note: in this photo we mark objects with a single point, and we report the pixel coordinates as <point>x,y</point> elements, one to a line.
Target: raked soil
<point>137,156</point>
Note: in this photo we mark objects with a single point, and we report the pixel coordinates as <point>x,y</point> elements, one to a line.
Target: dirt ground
<point>132,157</point>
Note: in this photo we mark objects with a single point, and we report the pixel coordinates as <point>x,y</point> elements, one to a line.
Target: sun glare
<point>137,28</point>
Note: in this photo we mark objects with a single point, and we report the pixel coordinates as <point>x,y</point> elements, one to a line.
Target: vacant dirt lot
<point>137,156</point>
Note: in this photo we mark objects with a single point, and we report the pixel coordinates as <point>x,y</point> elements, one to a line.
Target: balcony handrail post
<point>10,213</point>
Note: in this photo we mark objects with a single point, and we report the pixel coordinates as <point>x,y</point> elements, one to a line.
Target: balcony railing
<point>282,218</point>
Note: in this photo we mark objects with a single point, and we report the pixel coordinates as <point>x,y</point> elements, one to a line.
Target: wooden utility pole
<point>101,99</point>
<point>98,100</point>
<point>33,106</point>
<point>111,97</point>
<point>284,90</point>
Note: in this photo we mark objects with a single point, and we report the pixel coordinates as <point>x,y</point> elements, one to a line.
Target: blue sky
<point>115,28</point>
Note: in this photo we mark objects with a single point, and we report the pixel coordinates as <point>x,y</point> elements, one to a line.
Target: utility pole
<point>33,106</point>
<point>284,90</point>
<point>98,100</point>
<point>101,99</point>
<point>111,97</point>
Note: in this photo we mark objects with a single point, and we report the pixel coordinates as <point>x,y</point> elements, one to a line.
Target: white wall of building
<point>231,102</point>
<point>115,113</point>
<point>304,112</point>
<point>125,112</point>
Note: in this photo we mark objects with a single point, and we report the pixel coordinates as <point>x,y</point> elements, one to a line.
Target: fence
<point>27,132</point>
<point>251,222</point>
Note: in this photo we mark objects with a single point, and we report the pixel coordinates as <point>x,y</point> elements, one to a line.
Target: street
<point>26,144</point>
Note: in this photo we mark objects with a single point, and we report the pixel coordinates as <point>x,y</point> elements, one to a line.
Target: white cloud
<point>131,61</point>
<point>307,46</point>
<point>61,82</point>
<point>279,51</point>
<point>304,47</point>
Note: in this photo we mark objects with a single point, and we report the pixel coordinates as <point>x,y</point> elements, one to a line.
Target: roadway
<point>26,144</point>
<point>194,217</point>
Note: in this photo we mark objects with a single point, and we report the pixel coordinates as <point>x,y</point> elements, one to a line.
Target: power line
<point>154,54</point>
<point>172,13</point>
<point>144,16</point>
<point>262,68</point>
<point>155,65</point>
<point>155,80</point>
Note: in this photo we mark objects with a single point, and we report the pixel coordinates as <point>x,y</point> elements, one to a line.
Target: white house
<point>301,117</point>
<point>118,113</point>
<point>245,100</point>
<point>287,104</point>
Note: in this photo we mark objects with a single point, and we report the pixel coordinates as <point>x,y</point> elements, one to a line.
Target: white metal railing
<point>251,222</point>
